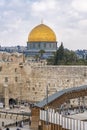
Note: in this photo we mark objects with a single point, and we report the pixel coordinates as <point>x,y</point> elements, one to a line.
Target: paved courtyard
<point>26,127</point>
<point>6,118</point>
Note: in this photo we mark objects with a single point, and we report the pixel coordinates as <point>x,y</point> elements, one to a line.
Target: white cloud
<point>80,5</point>
<point>83,23</point>
<point>67,18</point>
<point>44,5</point>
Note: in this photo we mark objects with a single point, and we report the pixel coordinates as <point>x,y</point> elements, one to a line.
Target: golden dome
<point>42,33</point>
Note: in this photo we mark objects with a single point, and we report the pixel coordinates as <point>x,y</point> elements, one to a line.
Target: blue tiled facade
<point>35,47</point>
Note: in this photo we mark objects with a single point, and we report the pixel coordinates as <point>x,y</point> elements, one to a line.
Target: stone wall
<point>57,78</point>
<point>28,82</point>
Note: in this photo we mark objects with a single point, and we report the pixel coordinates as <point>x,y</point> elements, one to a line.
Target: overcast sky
<point>68,19</point>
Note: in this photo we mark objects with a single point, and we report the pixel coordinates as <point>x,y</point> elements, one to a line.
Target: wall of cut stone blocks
<point>28,81</point>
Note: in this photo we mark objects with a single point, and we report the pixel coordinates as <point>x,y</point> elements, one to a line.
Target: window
<point>33,46</point>
<point>15,69</point>
<point>50,45</point>
<point>0,68</point>
<point>6,79</point>
<point>38,45</point>
<point>44,45</point>
<point>16,79</point>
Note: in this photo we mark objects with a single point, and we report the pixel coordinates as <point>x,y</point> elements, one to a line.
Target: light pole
<point>20,94</point>
<point>47,105</point>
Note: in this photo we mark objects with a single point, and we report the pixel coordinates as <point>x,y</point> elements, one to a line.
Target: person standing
<point>16,123</point>
<point>22,124</point>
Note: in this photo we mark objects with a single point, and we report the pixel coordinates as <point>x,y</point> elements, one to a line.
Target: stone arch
<point>12,101</point>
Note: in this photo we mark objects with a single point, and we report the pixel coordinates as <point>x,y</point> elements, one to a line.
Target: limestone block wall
<point>57,78</point>
<point>11,57</point>
<point>28,82</point>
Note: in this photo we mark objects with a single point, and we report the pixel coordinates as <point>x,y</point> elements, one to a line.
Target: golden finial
<point>41,21</point>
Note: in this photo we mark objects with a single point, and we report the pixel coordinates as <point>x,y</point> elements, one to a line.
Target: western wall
<point>28,82</point>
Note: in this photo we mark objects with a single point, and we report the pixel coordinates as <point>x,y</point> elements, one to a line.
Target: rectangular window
<point>16,79</point>
<point>50,45</point>
<point>15,69</point>
<point>38,45</point>
<point>33,46</point>
<point>44,45</point>
<point>0,68</point>
<point>6,79</point>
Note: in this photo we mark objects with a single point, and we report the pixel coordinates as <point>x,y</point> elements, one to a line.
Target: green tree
<point>41,53</point>
<point>36,57</point>
<point>59,55</point>
<point>69,57</point>
<point>65,57</point>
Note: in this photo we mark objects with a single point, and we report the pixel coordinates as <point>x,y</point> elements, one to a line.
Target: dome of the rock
<point>41,39</point>
<point>42,33</point>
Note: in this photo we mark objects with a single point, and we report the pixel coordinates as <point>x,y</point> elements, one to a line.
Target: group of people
<point>17,125</point>
<point>6,128</point>
<point>21,124</point>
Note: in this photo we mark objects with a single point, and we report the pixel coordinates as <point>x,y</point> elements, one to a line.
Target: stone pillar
<point>35,118</point>
<point>6,96</point>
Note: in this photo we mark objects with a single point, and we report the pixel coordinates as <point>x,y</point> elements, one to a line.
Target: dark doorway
<point>12,101</point>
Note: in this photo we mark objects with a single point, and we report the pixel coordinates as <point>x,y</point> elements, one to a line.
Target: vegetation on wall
<point>65,57</point>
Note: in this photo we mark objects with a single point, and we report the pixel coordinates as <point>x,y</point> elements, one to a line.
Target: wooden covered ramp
<point>62,96</point>
<point>54,101</point>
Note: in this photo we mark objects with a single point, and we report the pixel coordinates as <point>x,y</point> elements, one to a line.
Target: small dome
<point>42,33</point>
